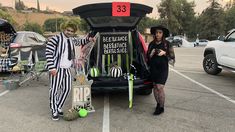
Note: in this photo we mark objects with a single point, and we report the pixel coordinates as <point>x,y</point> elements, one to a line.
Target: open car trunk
<point>119,43</point>
<point>99,16</point>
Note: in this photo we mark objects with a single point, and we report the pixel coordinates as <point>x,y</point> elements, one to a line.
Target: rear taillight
<point>147,82</point>
<point>15,45</point>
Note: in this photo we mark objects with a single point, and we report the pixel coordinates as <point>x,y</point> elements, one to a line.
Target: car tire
<point>210,65</point>
<point>144,91</point>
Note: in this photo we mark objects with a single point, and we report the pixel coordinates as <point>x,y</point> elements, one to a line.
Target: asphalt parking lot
<point>195,102</point>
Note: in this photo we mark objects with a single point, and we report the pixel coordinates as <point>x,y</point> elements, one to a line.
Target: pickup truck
<point>220,54</point>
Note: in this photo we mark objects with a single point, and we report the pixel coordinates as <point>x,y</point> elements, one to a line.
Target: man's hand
<point>92,39</point>
<point>161,53</point>
<point>53,72</point>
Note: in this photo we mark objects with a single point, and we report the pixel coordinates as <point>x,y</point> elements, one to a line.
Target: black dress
<point>158,64</point>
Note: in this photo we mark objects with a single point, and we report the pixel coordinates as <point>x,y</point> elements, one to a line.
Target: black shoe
<point>159,110</point>
<point>158,106</point>
<point>55,117</point>
<point>61,113</point>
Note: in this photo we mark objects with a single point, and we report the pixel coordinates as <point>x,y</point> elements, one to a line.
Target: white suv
<point>220,54</point>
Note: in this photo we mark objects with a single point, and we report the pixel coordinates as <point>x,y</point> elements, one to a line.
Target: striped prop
<point>94,72</point>
<point>116,71</point>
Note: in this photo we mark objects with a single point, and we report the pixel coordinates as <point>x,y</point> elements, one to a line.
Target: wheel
<point>144,91</point>
<point>210,65</point>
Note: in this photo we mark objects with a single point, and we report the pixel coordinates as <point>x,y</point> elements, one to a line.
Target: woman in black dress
<point>159,54</point>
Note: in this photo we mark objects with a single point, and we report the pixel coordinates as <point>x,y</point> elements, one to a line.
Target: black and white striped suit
<point>60,85</point>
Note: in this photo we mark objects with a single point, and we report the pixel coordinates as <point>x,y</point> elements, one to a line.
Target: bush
<point>33,27</point>
<point>83,26</point>
<point>6,16</point>
<point>50,25</point>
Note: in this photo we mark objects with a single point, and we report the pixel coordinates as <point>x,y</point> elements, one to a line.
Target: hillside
<point>39,18</point>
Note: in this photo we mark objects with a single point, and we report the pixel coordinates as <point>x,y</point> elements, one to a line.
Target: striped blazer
<point>55,48</point>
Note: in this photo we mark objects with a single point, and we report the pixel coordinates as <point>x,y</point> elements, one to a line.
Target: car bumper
<point>119,84</point>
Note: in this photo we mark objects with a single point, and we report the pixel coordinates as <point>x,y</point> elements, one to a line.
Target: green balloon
<point>82,112</point>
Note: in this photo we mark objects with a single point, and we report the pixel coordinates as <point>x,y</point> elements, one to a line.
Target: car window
<point>30,38</point>
<point>40,37</point>
<point>231,38</point>
<point>18,38</point>
<point>203,40</point>
<point>113,21</point>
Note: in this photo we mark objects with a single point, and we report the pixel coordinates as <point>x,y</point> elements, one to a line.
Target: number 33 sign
<point>121,8</point>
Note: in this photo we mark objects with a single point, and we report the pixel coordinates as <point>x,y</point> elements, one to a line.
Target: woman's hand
<point>152,53</point>
<point>161,53</point>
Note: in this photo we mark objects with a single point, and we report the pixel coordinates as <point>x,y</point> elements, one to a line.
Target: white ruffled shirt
<point>65,62</point>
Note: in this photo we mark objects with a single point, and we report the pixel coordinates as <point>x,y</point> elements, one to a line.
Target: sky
<point>64,5</point>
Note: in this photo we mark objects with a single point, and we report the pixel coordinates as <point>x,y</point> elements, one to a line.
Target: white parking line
<point>189,55</point>
<point>193,72</point>
<point>3,93</point>
<point>205,87</point>
<point>106,114</point>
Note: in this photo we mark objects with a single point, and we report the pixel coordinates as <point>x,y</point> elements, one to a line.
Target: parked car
<point>118,41</point>
<point>26,42</point>
<point>175,41</point>
<point>23,45</point>
<point>201,42</point>
<point>220,54</point>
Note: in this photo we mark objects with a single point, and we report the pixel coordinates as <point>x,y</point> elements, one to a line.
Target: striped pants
<point>60,86</point>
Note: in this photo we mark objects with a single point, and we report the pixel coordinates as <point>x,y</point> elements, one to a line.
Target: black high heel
<point>159,110</point>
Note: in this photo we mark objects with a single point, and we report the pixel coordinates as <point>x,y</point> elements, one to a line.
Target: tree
<point>185,15</point>
<point>147,22</point>
<point>167,10</point>
<point>53,24</point>
<point>6,16</point>
<point>33,27</point>
<point>211,21</point>
<point>178,16</point>
<point>19,5</point>
<point>230,4</point>
<point>38,6</point>
<point>83,26</point>
<point>50,24</point>
<point>230,18</point>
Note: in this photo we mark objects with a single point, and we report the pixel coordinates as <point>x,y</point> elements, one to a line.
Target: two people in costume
<point>60,50</point>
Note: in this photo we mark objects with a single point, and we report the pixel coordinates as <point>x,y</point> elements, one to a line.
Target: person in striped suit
<point>60,51</point>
